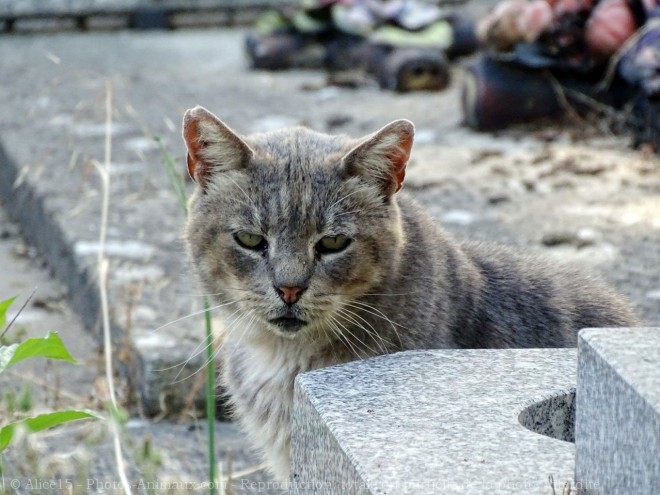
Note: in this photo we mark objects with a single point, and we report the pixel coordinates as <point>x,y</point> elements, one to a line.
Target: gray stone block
<point>618,411</point>
<point>437,421</point>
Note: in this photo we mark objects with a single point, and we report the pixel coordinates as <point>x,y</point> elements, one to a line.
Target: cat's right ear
<point>212,146</point>
<point>383,156</point>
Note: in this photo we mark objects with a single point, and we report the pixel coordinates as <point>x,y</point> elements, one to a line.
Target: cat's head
<point>289,227</point>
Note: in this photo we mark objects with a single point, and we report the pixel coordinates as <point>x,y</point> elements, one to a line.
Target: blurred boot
<point>496,94</point>
<point>280,51</point>
<point>410,69</point>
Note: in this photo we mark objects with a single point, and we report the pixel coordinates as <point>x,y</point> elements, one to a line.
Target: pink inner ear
<point>196,166</point>
<point>399,158</point>
<point>191,166</point>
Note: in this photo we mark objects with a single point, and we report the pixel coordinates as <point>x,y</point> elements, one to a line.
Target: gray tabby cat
<point>314,259</point>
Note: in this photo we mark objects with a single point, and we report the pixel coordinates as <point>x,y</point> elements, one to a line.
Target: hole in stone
<point>553,417</point>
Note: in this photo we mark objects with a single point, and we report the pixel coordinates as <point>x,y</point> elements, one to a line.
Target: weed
<point>16,406</point>
<point>179,188</point>
<point>149,460</point>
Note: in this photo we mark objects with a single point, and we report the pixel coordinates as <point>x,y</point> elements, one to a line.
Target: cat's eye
<point>250,241</point>
<point>332,244</point>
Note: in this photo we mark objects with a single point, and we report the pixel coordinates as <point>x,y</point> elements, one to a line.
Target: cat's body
<point>316,261</point>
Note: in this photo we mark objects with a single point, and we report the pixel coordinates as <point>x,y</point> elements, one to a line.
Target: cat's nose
<point>289,293</point>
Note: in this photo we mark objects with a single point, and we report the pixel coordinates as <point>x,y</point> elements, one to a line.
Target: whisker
<point>329,339</point>
<point>373,333</point>
<point>196,313</point>
<point>346,196</point>
<point>245,328</point>
<point>233,325</point>
<point>213,294</point>
<point>197,351</point>
<point>384,294</point>
<point>352,334</point>
<point>241,318</point>
<point>215,352</point>
<point>343,338</point>
<point>360,294</point>
<point>250,324</point>
<point>387,343</point>
<point>347,213</point>
<point>379,314</point>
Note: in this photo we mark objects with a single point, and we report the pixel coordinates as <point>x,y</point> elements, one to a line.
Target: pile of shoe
<point>541,57</point>
<point>403,44</point>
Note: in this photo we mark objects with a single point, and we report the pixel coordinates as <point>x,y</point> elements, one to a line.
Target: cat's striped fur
<point>400,283</point>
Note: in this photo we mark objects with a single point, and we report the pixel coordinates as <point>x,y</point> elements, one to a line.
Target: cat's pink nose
<point>290,294</point>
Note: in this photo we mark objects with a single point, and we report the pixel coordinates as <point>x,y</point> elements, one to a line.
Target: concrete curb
<point>30,211</point>
<point>617,425</point>
<point>136,14</point>
<point>441,421</point>
<point>485,421</point>
<point>39,228</point>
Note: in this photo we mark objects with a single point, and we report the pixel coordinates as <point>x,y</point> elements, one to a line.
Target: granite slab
<point>436,421</point>
<point>618,411</point>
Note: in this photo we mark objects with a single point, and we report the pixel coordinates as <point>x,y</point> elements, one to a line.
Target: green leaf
<point>6,353</point>
<point>50,346</point>
<point>119,414</point>
<point>4,306</point>
<point>43,422</point>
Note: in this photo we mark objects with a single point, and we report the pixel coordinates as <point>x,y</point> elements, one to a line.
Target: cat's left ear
<point>383,156</point>
<point>212,145</point>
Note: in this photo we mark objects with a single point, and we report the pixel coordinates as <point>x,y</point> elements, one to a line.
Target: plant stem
<point>210,400</point>
<point>103,266</point>
<point>179,188</point>
<point>19,312</point>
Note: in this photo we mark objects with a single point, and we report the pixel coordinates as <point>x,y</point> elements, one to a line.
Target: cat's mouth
<point>288,323</point>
